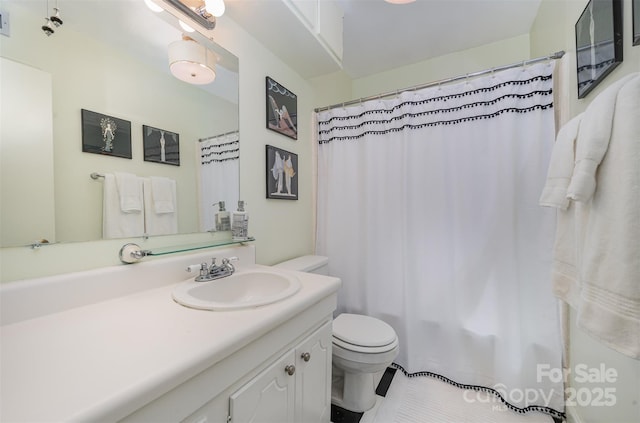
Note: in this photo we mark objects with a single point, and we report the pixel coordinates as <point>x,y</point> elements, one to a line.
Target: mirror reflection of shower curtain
<point>219,172</point>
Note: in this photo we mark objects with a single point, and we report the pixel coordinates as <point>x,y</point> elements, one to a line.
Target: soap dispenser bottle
<point>240,223</point>
<point>223,218</point>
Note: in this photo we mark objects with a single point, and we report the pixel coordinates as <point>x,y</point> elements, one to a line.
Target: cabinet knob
<point>290,369</point>
<point>306,356</point>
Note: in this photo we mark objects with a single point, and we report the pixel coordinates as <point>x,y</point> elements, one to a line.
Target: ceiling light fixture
<point>153,6</point>
<point>399,1</point>
<point>48,27</point>
<point>191,62</point>
<point>56,19</point>
<point>215,7</point>
<point>196,10</point>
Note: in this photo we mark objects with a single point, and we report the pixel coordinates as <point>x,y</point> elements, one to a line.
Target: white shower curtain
<point>428,211</point>
<point>219,168</point>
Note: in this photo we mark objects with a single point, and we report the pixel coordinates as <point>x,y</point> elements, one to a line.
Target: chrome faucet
<point>213,271</point>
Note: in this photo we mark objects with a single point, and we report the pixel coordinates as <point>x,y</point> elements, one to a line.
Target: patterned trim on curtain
<point>220,152</point>
<point>435,109</point>
<point>478,388</point>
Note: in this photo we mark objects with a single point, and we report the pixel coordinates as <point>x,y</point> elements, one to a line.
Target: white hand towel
<point>554,193</point>
<point>130,192</point>
<point>158,223</point>
<point>163,193</point>
<point>115,222</point>
<point>593,141</point>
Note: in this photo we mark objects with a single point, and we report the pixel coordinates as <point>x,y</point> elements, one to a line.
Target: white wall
<point>503,52</point>
<point>283,228</point>
<point>337,87</point>
<point>554,30</point>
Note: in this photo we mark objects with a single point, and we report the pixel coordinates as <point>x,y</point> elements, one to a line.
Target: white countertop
<point>92,362</point>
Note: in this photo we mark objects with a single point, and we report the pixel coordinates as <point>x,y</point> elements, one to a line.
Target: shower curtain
<point>219,168</point>
<point>428,211</point>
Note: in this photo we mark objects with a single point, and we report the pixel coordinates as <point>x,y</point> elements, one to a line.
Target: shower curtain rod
<point>554,56</point>
<point>217,136</point>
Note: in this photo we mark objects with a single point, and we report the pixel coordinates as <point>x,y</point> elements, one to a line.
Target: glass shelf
<point>192,247</point>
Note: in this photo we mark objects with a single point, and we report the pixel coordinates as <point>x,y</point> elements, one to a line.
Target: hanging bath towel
<point>596,265</point>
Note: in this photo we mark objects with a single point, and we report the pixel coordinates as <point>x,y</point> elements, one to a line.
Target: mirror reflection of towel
<point>157,220</point>
<point>163,194</point>
<point>129,188</point>
<point>117,223</point>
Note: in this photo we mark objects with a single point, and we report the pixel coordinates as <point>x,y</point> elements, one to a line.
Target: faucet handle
<point>201,268</point>
<point>230,259</point>
<point>193,268</point>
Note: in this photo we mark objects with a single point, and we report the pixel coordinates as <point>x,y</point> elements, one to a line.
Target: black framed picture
<point>160,146</point>
<point>282,109</point>
<point>636,22</point>
<point>282,174</point>
<point>598,43</point>
<point>107,135</point>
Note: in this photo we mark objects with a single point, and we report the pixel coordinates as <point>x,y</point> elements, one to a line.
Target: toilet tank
<point>309,264</point>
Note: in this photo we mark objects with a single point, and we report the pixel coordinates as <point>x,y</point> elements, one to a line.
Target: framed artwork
<point>282,109</point>
<point>107,135</point>
<point>598,43</point>
<point>282,174</point>
<point>160,146</point>
<point>636,22</point>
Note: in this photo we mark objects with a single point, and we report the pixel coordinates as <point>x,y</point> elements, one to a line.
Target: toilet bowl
<point>363,347</point>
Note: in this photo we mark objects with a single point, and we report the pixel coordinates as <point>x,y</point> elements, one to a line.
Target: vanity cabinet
<point>269,397</point>
<point>313,380</point>
<point>295,388</point>
<point>158,361</point>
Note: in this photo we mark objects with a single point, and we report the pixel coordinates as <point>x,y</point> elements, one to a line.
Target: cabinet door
<point>267,398</point>
<point>313,380</point>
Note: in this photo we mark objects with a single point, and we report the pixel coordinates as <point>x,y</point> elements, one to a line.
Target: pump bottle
<point>223,218</point>
<point>240,223</point>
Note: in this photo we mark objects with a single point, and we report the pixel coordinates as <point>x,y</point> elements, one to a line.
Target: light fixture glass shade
<point>191,62</point>
<point>153,6</point>
<point>215,7</point>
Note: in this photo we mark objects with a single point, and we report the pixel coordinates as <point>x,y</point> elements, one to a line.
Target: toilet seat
<point>363,334</point>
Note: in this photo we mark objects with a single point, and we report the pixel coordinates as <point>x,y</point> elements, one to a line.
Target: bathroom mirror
<point>111,58</point>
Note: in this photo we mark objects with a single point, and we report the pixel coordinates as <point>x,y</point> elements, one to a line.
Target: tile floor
<point>427,400</point>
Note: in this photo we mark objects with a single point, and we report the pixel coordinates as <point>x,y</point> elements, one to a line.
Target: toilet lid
<point>364,331</point>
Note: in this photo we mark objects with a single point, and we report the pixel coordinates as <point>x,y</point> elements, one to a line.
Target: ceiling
<point>378,36</point>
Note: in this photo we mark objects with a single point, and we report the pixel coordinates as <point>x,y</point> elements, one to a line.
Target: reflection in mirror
<point>196,10</point>
<point>111,58</point>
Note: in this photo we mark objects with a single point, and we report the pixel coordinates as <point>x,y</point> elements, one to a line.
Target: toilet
<point>363,347</point>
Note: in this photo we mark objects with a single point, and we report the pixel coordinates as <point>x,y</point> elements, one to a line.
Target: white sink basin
<point>244,289</point>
